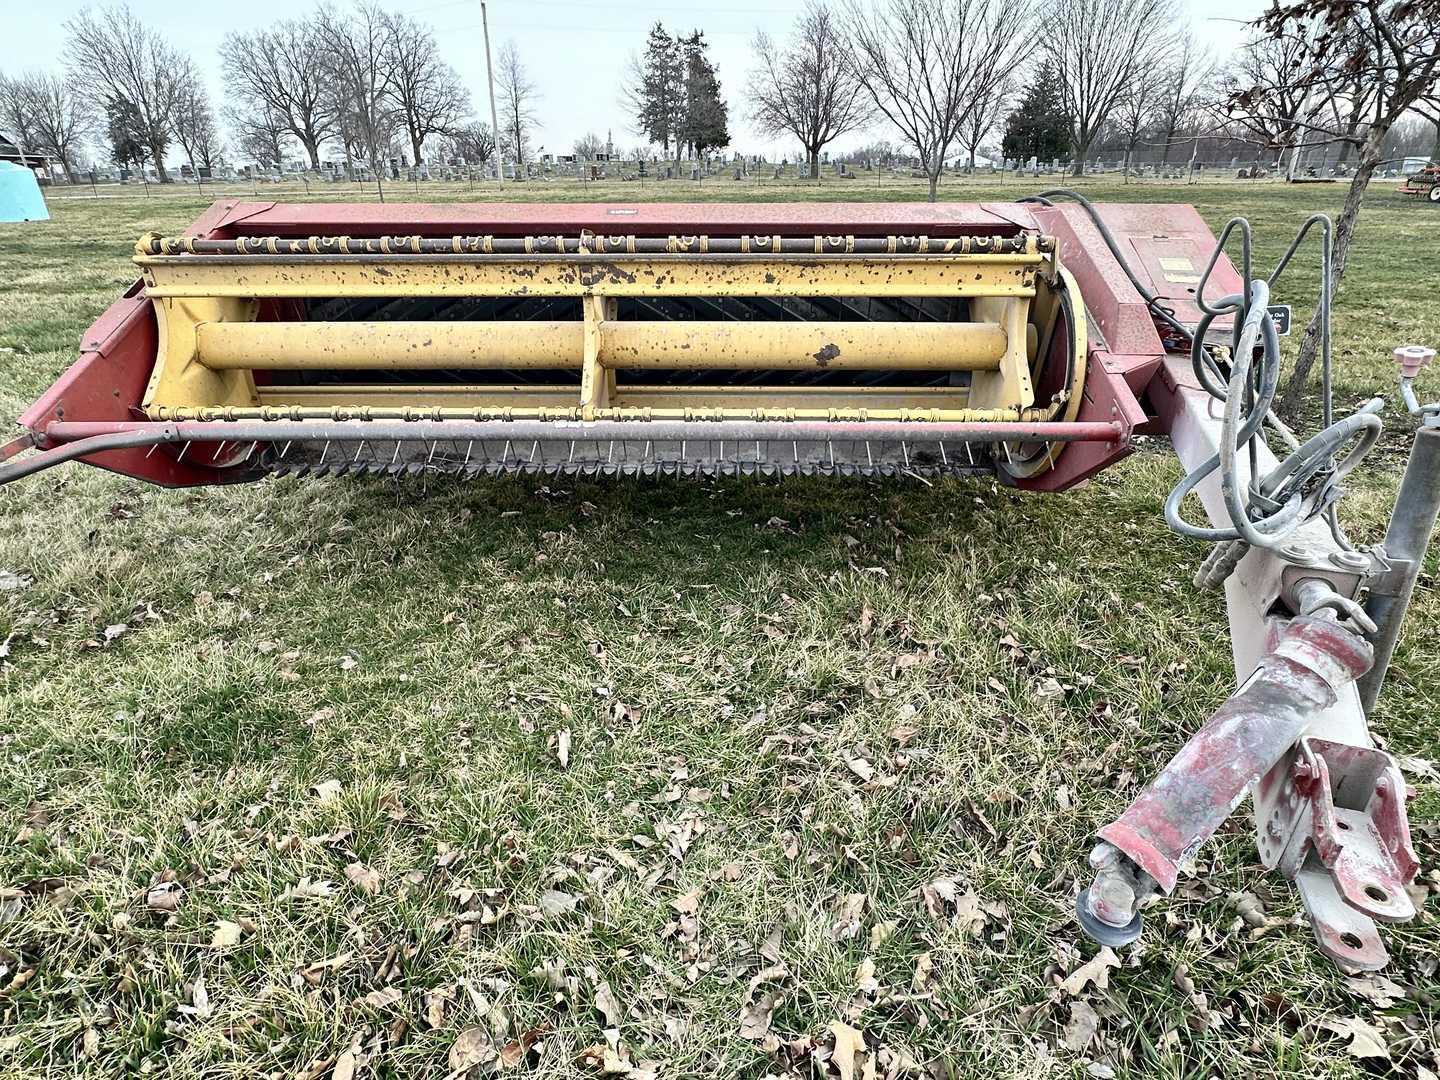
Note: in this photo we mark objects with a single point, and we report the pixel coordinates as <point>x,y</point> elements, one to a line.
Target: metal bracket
<point>1332,818</point>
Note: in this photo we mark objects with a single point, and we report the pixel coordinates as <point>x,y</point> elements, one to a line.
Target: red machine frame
<point>1330,807</point>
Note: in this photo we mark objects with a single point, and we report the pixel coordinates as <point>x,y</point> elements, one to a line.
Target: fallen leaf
<point>924,977</point>
<point>200,998</point>
<point>554,903</point>
<point>607,1005</point>
<point>1096,970</point>
<point>513,1052</point>
<point>1366,1040</point>
<point>562,747</point>
<point>380,999</point>
<point>227,934</point>
<point>164,896</point>
<point>363,878</point>
<point>849,1045</point>
<point>473,1047</point>
<point>344,1066</point>
<point>865,977</point>
<point>1084,1023</point>
<point>848,914</point>
<point>1377,989</point>
<point>755,1016</point>
<point>327,790</point>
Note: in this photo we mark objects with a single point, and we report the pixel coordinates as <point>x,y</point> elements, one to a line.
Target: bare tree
<point>982,118</point>
<point>1137,111</point>
<point>589,147</point>
<point>17,112</point>
<point>1387,53</point>
<point>473,143</point>
<point>1099,48</point>
<point>428,95</point>
<point>47,114</point>
<point>1429,108</point>
<point>925,63</point>
<point>1265,91</point>
<point>356,48</point>
<point>114,56</point>
<point>261,137</point>
<point>1184,80</point>
<point>195,127</point>
<point>808,89</point>
<point>281,73</point>
<point>517,97</point>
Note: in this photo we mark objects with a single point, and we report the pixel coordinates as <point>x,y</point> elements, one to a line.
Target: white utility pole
<point>494,118</point>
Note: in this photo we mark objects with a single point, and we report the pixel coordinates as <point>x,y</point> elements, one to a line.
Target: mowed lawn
<point>660,779</point>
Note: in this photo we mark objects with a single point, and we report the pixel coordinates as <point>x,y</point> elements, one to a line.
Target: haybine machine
<point>1030,341</point>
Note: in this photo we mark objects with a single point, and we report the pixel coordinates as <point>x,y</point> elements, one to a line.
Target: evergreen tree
<point>659,97</point>
<point>124,127</point>
<point>706,122</point>
<point>1038,127</point>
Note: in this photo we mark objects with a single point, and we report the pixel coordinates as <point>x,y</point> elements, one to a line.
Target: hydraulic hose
<point>1262,511</point>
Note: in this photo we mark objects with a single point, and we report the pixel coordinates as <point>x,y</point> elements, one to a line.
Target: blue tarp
<point>20,198</point>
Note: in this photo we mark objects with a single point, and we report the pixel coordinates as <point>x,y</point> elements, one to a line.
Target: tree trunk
<point>415,145</point>
<point>312,150</point>
<point>934,175</point>
<point>972,161</point>
<point>1370,155</point>
<point>815,163</point>
<point>69,172</point>
<point>159,160</point>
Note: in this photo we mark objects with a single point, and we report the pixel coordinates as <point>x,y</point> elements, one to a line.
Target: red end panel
<point>108,382</point>
<point>1167,246</point>
<point>645,219</point>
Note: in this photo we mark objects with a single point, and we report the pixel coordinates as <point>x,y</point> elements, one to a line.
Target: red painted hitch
<point>1362,853</point>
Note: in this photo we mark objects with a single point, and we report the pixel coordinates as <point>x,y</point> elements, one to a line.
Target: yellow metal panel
<point>178,377</point>
<point>1009,383</point>
<point>245,276</point>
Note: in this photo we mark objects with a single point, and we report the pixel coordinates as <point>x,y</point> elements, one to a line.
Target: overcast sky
<point>575,50</point>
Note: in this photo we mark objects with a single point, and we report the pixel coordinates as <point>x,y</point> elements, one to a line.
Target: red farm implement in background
<point>1424,184</point>
<point>1030,341</point>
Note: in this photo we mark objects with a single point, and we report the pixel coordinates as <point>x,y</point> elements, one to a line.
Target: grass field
<point>565,778</point>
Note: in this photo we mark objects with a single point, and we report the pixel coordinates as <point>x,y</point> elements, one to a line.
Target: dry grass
<point>789,707</point>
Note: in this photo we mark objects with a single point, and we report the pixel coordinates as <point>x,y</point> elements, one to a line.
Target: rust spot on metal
<point>826,354</point>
